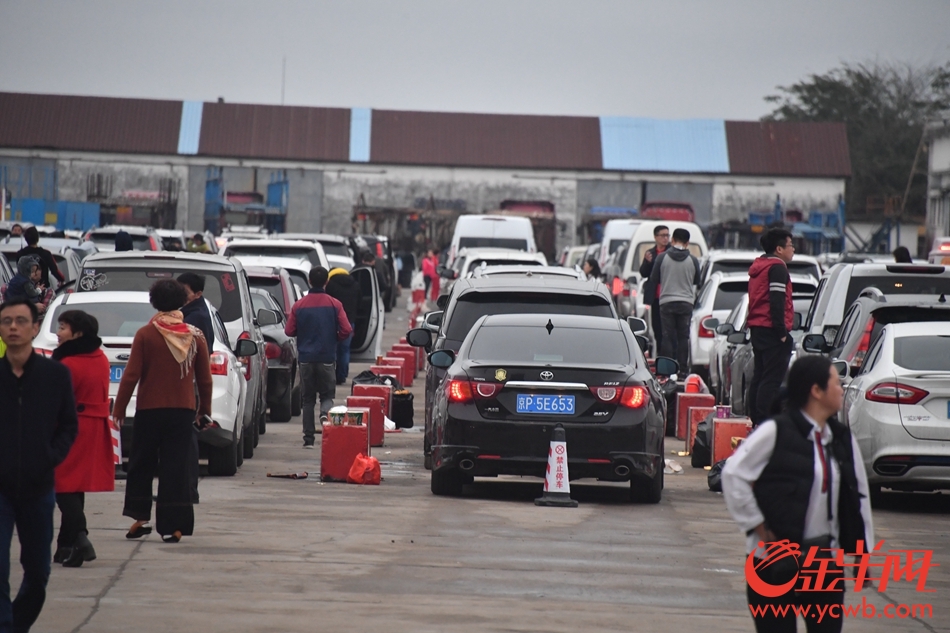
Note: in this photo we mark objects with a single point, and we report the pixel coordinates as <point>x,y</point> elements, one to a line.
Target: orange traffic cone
<point>557,482</point>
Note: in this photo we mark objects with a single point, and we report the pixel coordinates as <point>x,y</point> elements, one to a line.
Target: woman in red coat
<point>90,465</point>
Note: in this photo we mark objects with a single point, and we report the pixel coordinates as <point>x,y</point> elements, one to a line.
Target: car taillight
<point>607,394</point>
<point>857,358</point>
<point>895,393</point>
<point>219,364</point>
<point>703,332</point>
<point>272,350</point>
<point>459,391</point>
<point>379,249</point>
<point>153,243</point>
<point>628,290</point>
<point>247,361</point>
<point>44,352</point>
<point>633,397</point>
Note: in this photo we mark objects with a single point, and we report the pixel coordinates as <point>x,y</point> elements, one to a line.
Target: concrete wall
<point>700,195</point>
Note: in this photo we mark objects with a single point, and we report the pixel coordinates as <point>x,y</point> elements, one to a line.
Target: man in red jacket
<point>771,317</point>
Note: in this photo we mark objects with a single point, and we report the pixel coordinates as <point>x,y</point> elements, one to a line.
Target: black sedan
<point>517,376</point>
<point>283,379</point>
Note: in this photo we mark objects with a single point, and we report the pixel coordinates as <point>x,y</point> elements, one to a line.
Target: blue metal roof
<point>636,144</point>
<point>361,120</point>
<point>189,133</point>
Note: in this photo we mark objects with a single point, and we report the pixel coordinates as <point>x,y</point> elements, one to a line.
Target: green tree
<point>884,107</point>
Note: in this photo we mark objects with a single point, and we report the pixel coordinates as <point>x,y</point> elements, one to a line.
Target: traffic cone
<point>557,482</point>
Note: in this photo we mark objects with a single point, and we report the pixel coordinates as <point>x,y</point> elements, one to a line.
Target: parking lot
<point>282,555</point>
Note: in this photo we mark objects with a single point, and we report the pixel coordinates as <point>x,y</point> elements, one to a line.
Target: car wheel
<point>296,405</point>
<point>222,462</point>
<point>447,482</point>
<point>877,496</point>
<point>257,436</point>
<point>427,454</point>
<point>647,491</point>
<point>261,423</point>
<point>282,411</point>
<point>248,439</point>
<point>239,450</point>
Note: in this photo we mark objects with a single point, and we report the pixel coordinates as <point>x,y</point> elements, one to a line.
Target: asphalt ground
<point>276,555</point>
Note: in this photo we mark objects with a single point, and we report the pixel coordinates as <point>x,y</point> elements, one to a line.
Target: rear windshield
<point>115,319</point>
<point>493,242</point>
<point>614,245</point>
<point>643,247</point>
<point>296,253</point>
<point>271,286</point>
<point>172,244</point>
<point>729,294</point>
<point>474,305</point>
<point>935,285</point>
<point>524,344</point>
<point>726,266</point>
<point>221,288</point>
<point>804,268</point>
<point>335,248</point>
<point>139,242</point>
<point>300,280</point>
<point>481,261</point>
<point>924,353</point>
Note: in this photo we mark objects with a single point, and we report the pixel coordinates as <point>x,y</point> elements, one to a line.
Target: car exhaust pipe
<point>621,470</point>
<point>466,464</point>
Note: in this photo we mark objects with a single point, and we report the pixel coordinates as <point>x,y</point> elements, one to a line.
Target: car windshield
<point>272,286</point>
<point>296,253</point>
<point>729,294</point>
<point>221,288</point>
<point>523,344</point>
<point>115,319</point>
<point>643,247</point>
<point>923,353</point>
<point>482,261</point>
<point>139,242</point>
<point>493,242</point>
<point>804,268</point>
<point>173,244</point>
<point>615,244</point>
<point>335,248</point>
<point>935,285</point>
<point>474,305</point>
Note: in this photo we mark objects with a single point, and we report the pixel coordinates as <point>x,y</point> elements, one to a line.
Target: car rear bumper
<point>614,466</point>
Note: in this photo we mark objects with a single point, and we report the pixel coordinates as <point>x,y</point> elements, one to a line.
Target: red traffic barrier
<point>386,370</point>
<point>409,357</point>
<point>380,391</point>
<point>405,375</point>
<point>683,403</point>
<point>338,450</point>
<point>375,407</point>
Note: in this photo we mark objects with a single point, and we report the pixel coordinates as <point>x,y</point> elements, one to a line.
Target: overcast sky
<point>665,58</point>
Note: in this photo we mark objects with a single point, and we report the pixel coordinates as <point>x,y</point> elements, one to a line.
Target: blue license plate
<point>558,405</point>
<point>115,373</point>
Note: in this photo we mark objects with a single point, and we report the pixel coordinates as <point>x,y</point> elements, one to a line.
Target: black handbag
<point>402,410</point>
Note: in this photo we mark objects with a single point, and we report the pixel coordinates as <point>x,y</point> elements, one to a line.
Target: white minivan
<point>616,234</point>
<point>492,231</point>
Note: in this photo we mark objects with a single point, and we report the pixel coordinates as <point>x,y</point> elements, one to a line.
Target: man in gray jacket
<point>676,275</point>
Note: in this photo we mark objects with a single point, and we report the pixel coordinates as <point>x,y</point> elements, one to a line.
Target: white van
<point>616,233</point>
<point>630,301</point>
<point>492,231</point>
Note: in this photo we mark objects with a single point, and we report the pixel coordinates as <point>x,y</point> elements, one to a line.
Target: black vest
<point>784,487</point>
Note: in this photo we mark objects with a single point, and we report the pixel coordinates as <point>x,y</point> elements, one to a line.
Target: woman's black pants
<point>71,505</point>
<point>162,441</point>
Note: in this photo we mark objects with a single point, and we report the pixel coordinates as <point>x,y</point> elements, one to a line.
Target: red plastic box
<point>386,370</point>
<point>409,353</point>
<point>724,429</point>
<point>696,415</point>
<point>685,401</point>
<point>405,375</point>
<point>380,391</point>
<point>339,447</point>
<point>377,414</point>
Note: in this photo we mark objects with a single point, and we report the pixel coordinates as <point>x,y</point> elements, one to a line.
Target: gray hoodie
<point>676,274</point>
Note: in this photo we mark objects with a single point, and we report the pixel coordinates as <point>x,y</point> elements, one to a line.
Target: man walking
<point>346,290</point>
<point>676,274</point>
<point>318,321</point>
<point>37,428</point>
<point>661,235</point>
<point>770,320</point>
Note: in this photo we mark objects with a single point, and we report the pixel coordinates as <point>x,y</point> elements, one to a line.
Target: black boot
<point>62,553</point>
<point>82,551</point>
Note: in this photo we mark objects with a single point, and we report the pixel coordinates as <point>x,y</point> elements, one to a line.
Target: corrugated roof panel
<point>361,124</point>
<point>189,133</point>
<point>278,132</point>
<point>786,148</point>
<point>485,140</point>
<point>635,144</point>
<point>97,124</point>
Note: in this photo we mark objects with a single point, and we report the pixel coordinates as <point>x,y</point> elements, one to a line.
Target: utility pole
<point>283,79</point>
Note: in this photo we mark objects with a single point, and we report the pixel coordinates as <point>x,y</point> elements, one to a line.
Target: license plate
<point>115,373</point>
<point>559,405</point>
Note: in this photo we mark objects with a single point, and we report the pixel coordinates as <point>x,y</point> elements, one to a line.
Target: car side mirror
<point>666,366</point>
<point>797,321</point>
<point>643,342</point>
<point>245,347</point>
<point>433,321</point>
<point>442,358</point>
<point>637,326</point>
<point>419,337</point>
<point>815,343</point>
<point>709,324</point>
<point>737,338</point>
<point>726,329</point>
<point>267,317</point>
<point>841,367</point>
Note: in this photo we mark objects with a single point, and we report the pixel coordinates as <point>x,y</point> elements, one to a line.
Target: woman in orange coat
<point>90,465</point>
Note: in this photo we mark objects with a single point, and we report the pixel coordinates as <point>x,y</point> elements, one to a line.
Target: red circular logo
<point>559,449</point>
<point>774,553</point>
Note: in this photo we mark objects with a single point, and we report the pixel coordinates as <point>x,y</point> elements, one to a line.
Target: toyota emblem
<point>547,375</point>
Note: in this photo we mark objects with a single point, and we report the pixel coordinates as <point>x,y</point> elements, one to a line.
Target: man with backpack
<point>676,274</point>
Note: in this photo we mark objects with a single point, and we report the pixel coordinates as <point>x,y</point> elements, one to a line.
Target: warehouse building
<point>193,165</point>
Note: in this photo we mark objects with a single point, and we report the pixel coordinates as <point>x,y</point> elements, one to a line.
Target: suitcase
<point>724,431</point>
<point>380,391</point>
<point>338,450</point>
<point>376,406</point>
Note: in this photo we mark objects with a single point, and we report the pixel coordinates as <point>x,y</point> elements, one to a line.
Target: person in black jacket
<point>346,290</point>
<point>45,258</point>
<point>195,311</point>
<point>661,235</point>
<point>38,425</point>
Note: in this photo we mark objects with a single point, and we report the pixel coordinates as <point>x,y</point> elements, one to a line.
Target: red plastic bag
<point>365,470</point>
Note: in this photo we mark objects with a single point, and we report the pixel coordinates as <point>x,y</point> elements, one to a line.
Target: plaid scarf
<point>179,336</point>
